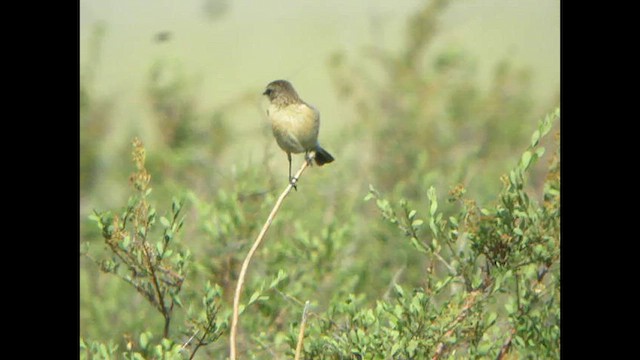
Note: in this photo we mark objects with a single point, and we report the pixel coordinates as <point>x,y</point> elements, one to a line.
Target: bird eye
<point>267,92</point>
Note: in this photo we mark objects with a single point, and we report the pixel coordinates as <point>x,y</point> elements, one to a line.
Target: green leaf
<point>144,339</point>
<point>152,215</point>
<point>397,346</point>
<point>176,205</point>
<point>103,351</point>
<point>510,306</point>
<point>497,283</point>
<point>279,277</point>
<point>180,223</point>
<point>165,222</point>
<point>159,247</point>
<point>525,160</point>
<point>166,343</point>
<point>415,306</point>
<point>508,274</point>
<point>124,245</point>
<point>442,283</point>
<point>157,352</point>
<point>535,138</point>
<point>369,317</point>
<point>483,348</point>
<point>372,193</point>
<point>431,194</point>
<point>417,222</point>
<point>133,200</point>
<point>418,245</point>
<point>434,228</point>
<point>95,217</point>
<point>383,204</point>
<point>168,235</point>
<point>176,299</point>
<point>491,318</point>
<point>254,297</point>
<point>412,214</point>
<point>412,346</point>
<point>547,123</point>
<point>399,290</point>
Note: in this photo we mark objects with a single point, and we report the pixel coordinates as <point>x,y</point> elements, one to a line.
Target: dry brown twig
<point>506,345</point>
<point>468,304</point>
<point>247,260</point>
<point>303,324</point>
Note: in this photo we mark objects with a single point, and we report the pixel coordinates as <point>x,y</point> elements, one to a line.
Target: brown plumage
<point>295,123</point>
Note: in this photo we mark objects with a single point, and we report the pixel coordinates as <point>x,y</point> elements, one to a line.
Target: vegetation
<point>435,234</point>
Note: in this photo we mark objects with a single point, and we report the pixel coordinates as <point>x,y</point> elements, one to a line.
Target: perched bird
<point>295,124</point>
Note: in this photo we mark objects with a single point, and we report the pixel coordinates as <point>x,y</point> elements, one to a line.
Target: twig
<point>506,345</point>
<point>161,306</point>
<point>393,282</point>
<point>471,300</point>
<point>245,264</point>
<point>303,323</point>
<point>189,341</point>
<point>449,267</point>
<point>288,297</point>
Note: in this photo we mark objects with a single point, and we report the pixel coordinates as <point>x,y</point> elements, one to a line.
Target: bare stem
<point>393,282</point>
<point>506,345</point>
<point>303,324</point>
<point>161,306</point>
<point>469,303</point>
<point>245,264</point>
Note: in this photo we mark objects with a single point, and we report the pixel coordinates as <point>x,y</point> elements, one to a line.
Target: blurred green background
<point>403,106</point>
<point>226,50</point>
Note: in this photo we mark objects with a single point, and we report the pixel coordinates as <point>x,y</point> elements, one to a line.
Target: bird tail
<point>322,156</point>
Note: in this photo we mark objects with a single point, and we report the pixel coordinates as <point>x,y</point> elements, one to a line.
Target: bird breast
<point>295,126</point>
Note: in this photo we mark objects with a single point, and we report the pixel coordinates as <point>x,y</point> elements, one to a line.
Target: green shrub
<point>491,280</point>
<point>413,272</point>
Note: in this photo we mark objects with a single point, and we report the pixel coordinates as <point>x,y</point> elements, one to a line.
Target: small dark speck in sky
<point>162,36</point>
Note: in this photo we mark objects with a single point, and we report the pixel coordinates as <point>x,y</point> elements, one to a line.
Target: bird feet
<point>309,155</point>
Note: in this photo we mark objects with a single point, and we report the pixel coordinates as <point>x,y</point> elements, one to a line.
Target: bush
<point>413,272</point>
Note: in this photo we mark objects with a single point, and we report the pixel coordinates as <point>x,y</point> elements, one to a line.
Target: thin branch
<point>393,282</point>
<point>506,345</point>
<point>412,231</point>
<point>517,278</point>
<point>443,261</point>
<point>211,326</point>
<point>156,285</point>
<point>245,264</point>
<point>190,339</point>
<point>288,297</point>
<point>303,324</point>
<point>469,303</point>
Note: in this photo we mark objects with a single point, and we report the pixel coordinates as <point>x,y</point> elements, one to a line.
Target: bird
<point>295,124</point>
